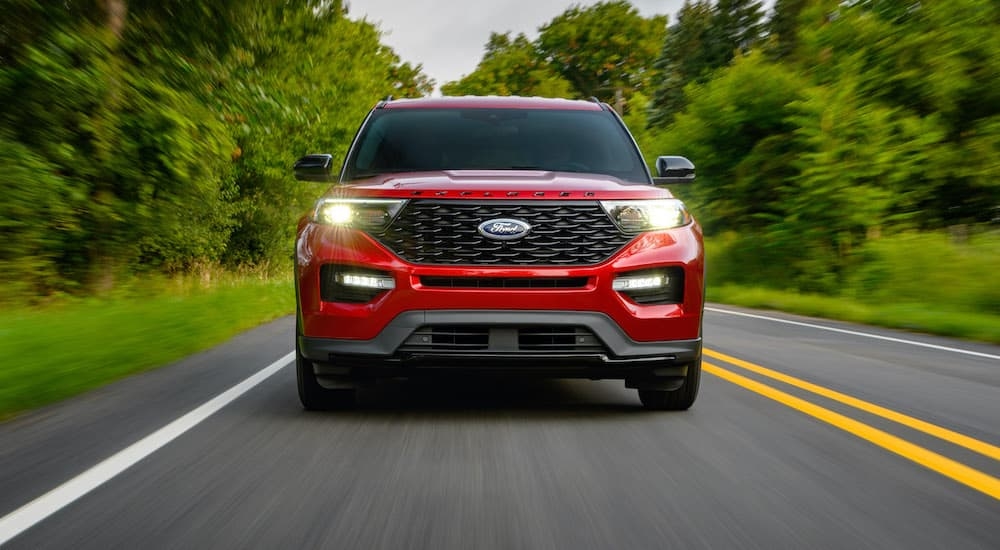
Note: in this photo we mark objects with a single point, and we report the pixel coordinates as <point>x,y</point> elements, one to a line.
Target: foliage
<point>280,105</point>
<point>862,120</point>
<point>142,135</point>
<point>737,129</point>
<point>683,59</point>
<point>705,38</point>
<point>603,48</point>
<point>139,135</point>
<point>510,66</point>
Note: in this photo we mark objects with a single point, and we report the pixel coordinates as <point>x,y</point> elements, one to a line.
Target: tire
<point>315,397</point>
<point>680,399</point>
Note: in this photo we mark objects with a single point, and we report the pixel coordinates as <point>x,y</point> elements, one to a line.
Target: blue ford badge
<point>504,229</point>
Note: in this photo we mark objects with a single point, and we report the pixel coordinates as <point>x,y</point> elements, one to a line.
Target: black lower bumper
<point>605,351</point>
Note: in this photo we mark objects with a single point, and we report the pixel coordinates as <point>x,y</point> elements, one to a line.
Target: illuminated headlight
<point>361,213</point>
<point>379,282</point>
<point>626,283</point>
<point>636,216</point>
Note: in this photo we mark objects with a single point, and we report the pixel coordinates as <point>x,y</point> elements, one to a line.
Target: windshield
<point>413,140</point>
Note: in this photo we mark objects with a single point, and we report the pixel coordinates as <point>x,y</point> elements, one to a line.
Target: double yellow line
<point>945,466</point>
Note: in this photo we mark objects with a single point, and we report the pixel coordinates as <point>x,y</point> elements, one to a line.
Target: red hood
<point>498,184</point>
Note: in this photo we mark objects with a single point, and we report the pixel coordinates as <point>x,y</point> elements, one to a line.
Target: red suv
<point>503,235</point>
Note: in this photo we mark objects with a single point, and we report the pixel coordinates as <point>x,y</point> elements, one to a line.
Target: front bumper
<point>605,351</point>
<point>359,324</point>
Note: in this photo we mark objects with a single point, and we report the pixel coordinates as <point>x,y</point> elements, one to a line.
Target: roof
<point>492,102</point>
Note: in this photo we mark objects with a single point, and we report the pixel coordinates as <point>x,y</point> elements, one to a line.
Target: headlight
<point>636,216</point>
<point>375,214</point>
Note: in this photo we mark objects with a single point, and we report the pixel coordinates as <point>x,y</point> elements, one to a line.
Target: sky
<point>448,36</point>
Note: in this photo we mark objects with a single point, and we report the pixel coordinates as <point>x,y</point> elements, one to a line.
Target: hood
<point>498,184</point>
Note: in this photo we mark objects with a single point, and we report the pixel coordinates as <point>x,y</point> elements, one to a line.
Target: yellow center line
<point>945,434</point>
<point>945,466</point>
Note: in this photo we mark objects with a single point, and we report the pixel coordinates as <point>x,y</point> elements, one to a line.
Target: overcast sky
<point>447,36</point>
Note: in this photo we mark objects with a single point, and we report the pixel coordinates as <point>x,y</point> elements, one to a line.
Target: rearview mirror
<point>671,169</point>
<point>313,168</point>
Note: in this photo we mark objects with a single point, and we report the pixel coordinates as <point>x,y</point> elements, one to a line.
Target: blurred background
<point>847,151</point>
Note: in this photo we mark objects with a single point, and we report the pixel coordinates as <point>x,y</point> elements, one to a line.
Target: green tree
<point>783,28</point>
<point>282,102</point>
<point>934,61</point>
<point>510,66</point>
<point>736,27</point>
<point>158,135</point>
<point>737,130</point>
<point>604,48</point>
<point>409,80</point>
<point>705,38</point>
<point>683,59</point>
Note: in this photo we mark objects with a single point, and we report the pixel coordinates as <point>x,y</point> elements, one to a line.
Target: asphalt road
<point>802,437</point>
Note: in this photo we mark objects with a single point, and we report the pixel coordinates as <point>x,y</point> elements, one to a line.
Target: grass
<point>915,317</point>
<point>69,346</point>
<point>63,349</point>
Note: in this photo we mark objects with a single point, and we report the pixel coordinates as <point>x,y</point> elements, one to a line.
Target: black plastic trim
<point>384,346</point>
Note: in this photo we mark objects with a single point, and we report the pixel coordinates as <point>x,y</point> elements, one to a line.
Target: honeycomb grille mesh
<point>446,232</point>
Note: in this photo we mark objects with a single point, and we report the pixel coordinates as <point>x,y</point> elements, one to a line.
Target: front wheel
<point>315,397</point>
<point>680,399</point>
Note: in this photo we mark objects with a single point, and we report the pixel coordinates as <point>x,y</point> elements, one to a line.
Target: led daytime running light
<point>621,284</point>
<point>366,281</point>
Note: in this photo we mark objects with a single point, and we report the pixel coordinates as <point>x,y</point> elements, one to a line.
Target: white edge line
<point>22,519</point>
<point>855,333</point>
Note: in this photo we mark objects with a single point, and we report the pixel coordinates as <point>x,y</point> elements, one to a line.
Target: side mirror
<point>671,169</point>
<point>314,168</point>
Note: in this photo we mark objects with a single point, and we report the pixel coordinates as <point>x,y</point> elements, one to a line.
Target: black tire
<point>680,399</point>
<point>315,397</point>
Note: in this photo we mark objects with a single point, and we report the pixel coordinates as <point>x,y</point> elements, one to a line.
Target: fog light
<point>647,282</point>
<point>382,282</point>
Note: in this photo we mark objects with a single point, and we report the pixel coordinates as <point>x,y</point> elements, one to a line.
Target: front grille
<point>527,283</point>
<point>535,339</point>
<point>562,233</point>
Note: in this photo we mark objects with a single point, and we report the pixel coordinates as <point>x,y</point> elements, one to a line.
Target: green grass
<point>60,350</point>
<point>926,318</point>
<point>69,346</point>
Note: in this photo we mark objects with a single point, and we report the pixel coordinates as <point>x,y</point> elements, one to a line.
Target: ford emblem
<point>504,229</point>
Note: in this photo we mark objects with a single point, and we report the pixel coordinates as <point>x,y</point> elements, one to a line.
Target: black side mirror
<point>670,169</point>
<point>314,168</point>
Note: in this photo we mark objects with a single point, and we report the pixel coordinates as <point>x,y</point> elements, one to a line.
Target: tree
<point>932,61</point>
<point>704,39</point>
<point>683,59</point>
<point>409,80</point>
<point>736,27</point>
<point>140,134</point>
<point>604,48</point>
<point>510,67</point>
<point>282,103</point>
<point>736,127</point>
<point>783,28</point>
